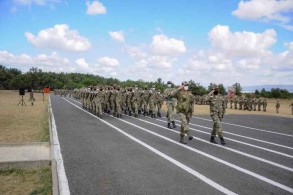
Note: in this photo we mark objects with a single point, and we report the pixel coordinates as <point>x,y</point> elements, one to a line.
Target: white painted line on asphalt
<point>288,135</point>
<point>224,147</point>
<point>259,140</point>
<point>63,182</point>
<point>260,177</point>
<point>177,163</point>
<point>248,144</point>
<point>244,143</point>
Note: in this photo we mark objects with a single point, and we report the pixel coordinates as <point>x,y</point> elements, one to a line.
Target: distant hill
<point>266,87</point>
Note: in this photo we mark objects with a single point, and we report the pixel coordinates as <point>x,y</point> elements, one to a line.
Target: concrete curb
<point>55,182</point>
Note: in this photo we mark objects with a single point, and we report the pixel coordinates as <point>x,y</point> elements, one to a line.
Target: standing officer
<point>184,109</point>
<point>170,104</point>
<point>217,111</point>
<point>277,106</point>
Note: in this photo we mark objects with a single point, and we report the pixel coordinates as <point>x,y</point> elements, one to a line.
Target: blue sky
<point>221,41</point>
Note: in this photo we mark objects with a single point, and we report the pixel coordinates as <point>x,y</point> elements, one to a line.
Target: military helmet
<point>169,82</point>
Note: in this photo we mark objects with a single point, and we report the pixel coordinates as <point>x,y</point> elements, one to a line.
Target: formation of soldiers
<point>116,100</point>
<point>250,104</point>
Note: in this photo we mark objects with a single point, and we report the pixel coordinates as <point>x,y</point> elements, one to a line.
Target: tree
<point>238,89</point>
<point>256,92</point>
<point>196,88</point>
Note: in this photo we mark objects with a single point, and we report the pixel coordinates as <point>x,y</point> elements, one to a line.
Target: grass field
<point>23,123</point>
<point>20,124</point>
<point>26,181</point>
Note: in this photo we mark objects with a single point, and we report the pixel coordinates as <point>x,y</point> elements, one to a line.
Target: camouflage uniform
<point>152,98</point>
<point>118,103</point>
<point>98,102</point>
<point>264,104</point>
<point>159,103</point>
<point>277,106</point>
<point>184,109</point>
<point>217,111</point>
<point>134,102</point>
<point>170,105</point>
<point>235,102</point>
<point>259,103</point>
<point>231,102</point>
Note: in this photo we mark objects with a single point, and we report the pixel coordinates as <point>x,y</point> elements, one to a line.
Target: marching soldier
<point>170,104</point>
<point>184,109</point>
<point>217,111</point>
<point>264,104</point>
<point>291,105</point>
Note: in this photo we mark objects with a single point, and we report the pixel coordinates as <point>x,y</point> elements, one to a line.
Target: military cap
<point>169,82</point>
<point>185,83</point>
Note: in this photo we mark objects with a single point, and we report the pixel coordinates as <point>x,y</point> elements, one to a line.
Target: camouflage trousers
<point>99,109</point>
<point>118,107</point>
<point>159,106</point>
<point>217,128</point>
<point>184,118</point>
<point>135,107</point>
<point>170,111</point>
<point>277,109</point>
<point>152,106</point>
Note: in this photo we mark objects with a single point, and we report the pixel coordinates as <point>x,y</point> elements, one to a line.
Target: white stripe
<point>252,145</point>
<point>211,157</point>
<point>244,143</point>
<point>62,179</point>
<point>227,132</point>
<point>230,149</point>
<point>177,163</point>
<point>248,127</point>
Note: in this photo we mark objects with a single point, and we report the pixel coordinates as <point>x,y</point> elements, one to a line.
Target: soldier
<point>184,109</point>
<point>145,101</point>
<point>291,105</point>
<point>259,103</point>
<point>118,102</point>
<point>135,100</point>
<point>231,102</point>
<point>159,103</point>
<point>217,111</point>
<point>264,104</point>
<point>254,103</point>
<point>98,102</point>
<point>170,104</point>
<point>152,98</point>
<point>241,101</point>
<point>235,102</point>
<point>277,106</point>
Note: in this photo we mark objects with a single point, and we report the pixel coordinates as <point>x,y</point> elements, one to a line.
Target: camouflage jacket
<point>217,105</point>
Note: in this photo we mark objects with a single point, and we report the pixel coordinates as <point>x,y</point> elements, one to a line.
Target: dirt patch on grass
<point>284,111</point>
<point>23,123</point>
<point>26,181</point>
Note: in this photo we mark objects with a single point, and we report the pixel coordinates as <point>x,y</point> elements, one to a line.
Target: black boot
<point>159,114</point>
<point>136,115</point>
<point>190,137</point>
<point>174,126</point>
<point>212,140</point>
<point>222,141</point>
<point>154,116</point>
<point>169,126</point>
<point>182,141</point>
<point>129,113</point>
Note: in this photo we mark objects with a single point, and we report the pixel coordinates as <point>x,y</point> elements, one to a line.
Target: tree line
<point>35,78</point>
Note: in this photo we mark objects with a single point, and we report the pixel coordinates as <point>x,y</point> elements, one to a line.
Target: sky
<point>218,41</point>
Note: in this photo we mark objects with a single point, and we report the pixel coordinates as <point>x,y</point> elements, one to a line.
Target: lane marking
<point>62,179</point>
<point>177,163</point>
<point>288,135</point>
<point>223,147</point>
<point>259,140</point>
<point>244,143</point>
<point>260,177</point>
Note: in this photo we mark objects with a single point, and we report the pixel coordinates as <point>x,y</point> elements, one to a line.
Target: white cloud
<point>60,37</point>
<point>162,45</point>
<point>109,62</point>
<point>95,8</point>
<point>134,51</point>
<point>82,63</point>
<point>117,36</point>
<point>265,10</point>
<point>241,43</point>
<point>51,62</point>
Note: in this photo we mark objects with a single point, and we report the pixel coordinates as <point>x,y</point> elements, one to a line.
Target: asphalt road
<point>142,156</point>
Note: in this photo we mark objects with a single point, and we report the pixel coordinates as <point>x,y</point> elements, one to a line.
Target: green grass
<point>26,181</point>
